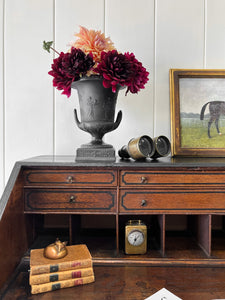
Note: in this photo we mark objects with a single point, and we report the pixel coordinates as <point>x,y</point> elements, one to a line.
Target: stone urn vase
<point>97,113</point>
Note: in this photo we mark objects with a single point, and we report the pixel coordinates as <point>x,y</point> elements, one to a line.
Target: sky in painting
<point>195,92</point>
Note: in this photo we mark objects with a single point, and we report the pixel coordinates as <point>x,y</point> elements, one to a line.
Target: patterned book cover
<point>47,287</point>
<point>51,277</point>
<point>78,257</point>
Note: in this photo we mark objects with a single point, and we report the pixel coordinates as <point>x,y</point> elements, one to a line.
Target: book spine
<point>47,287</point>
<point>51,277</point>
<point>63,266</point>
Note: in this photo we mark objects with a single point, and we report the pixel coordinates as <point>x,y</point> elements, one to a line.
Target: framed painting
<point>197,101</point>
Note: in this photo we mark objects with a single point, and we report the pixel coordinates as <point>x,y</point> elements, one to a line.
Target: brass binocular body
<point>146,147</point>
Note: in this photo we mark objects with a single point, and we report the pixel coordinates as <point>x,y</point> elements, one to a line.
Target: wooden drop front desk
<point>154,191</point>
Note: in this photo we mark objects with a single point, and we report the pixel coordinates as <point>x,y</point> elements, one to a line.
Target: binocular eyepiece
<point>146,147</point>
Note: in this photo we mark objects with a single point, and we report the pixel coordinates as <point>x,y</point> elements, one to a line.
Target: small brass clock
<point>135,237</point>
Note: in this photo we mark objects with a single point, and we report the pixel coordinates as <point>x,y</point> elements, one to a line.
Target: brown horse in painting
<point>216,109</point>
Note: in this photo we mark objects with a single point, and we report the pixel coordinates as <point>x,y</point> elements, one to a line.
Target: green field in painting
<point>194,134</point>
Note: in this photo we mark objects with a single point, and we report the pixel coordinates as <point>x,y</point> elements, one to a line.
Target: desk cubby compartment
<point>154,233</point>
<point>218,237</point>
<point>187,236</point>
<point>47,228</point>
<point>98,232</point>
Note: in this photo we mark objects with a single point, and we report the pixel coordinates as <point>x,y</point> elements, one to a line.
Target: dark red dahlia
<point>69,67</point>
<point>114,68</point>
<point>60,80</point>
<point>138,74</point>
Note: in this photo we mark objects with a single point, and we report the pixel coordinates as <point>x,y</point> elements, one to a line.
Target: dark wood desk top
<point>63,160</point>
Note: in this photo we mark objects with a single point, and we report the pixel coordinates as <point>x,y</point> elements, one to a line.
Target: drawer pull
<point>70,179</point>
<point>144,179</point>
<point>143,202</point>
<point>72,199</point>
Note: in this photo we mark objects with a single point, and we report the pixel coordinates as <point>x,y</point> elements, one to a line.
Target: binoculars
<point>146,147</point>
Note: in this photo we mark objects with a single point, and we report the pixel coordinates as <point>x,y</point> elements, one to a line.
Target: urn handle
<point>118,120</point>
<point>76,118</point>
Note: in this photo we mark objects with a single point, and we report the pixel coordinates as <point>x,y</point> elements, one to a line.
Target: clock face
<point>135,237</point>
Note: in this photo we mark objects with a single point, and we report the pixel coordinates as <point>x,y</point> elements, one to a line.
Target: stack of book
<point>48,275</point>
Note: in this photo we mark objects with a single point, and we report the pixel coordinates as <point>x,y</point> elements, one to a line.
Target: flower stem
<point>48,45</point>
<point>55,50</point>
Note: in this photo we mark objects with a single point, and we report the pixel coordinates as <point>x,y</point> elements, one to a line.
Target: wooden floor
<point>130,283</point>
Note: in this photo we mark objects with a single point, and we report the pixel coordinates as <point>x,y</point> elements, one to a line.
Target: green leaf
<point>47,45</point>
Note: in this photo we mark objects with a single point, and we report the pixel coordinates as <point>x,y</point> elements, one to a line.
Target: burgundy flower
<point>69,67</point>
<point>76,63</point>
<point>60,81</point>
<point>115,69</point>
<point>138,75</point>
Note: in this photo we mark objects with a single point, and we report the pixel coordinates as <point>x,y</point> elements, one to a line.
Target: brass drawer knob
<point>70,179</point>
<point>144,179</point>
<point>72,199</point>
<point>143,202</point>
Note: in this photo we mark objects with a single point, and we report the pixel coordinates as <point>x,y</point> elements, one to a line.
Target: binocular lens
<point>162,146</point>
<point>145,146</point>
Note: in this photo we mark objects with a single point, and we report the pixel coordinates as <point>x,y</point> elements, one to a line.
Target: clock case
<point>129,228</point>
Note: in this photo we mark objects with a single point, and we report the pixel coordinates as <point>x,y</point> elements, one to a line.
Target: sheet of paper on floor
<point>163,294</point>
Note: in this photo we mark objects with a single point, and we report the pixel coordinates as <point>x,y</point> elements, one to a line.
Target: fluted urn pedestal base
<point>90,152</point>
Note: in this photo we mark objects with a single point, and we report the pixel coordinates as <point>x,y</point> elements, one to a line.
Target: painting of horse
<point>216,109</point>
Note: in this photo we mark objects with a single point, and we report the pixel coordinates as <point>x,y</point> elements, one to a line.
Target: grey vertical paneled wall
<point>215,34</point>
<point>179,44</point>
<point>35,119</point>
<point>28,96</point>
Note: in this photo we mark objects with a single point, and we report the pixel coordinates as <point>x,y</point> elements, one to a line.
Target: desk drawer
<point>37,200</point>
<point>177,178</point>
<point>148,201</point>
<point>71,178</point>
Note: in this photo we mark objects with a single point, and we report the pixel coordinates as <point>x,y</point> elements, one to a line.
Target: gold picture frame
<point>197,104</point>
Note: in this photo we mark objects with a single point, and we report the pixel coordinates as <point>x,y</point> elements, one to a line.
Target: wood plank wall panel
<point>130,24</point>
<point>2,168</point>
<point>215,33</point>
<point>179,44</point>
<point>36,119</point>
<point>69,14</point>
<point>28,91</point>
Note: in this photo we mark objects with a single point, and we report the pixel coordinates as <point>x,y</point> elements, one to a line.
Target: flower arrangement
<point>94,54</point>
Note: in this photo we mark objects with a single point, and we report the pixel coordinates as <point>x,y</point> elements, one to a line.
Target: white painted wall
<point>35,119</point>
